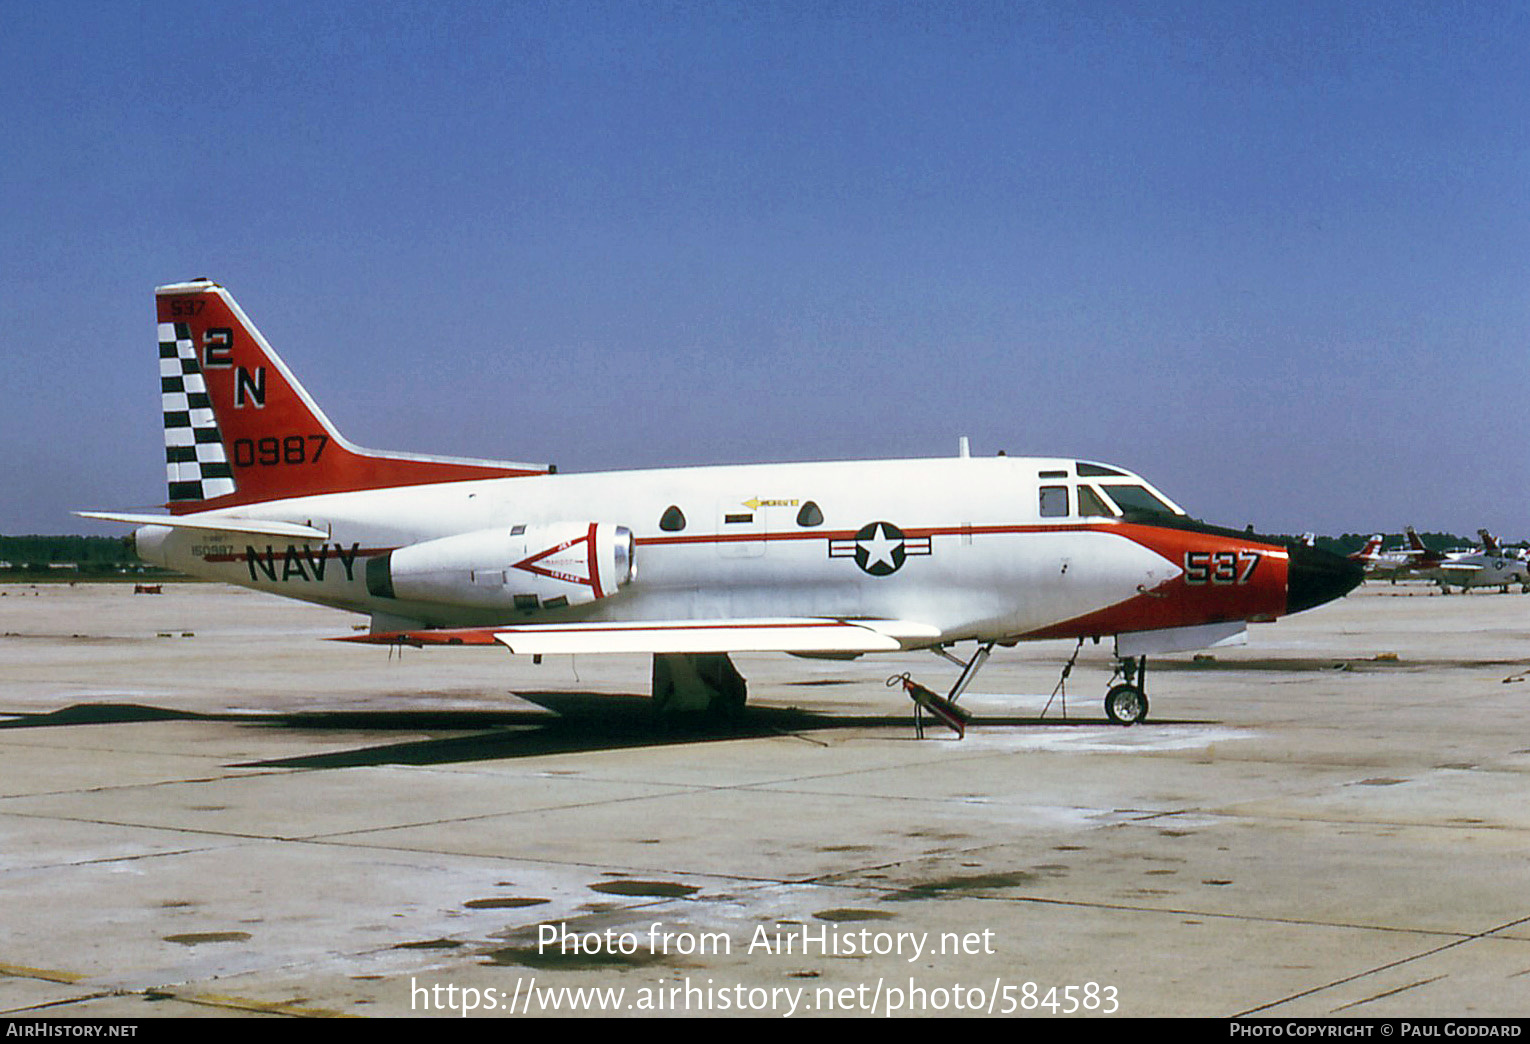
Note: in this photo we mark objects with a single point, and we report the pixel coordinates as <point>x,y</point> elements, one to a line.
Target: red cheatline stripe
<point>849,534</point>
<point>1126,529</point>
<point>908,534</point>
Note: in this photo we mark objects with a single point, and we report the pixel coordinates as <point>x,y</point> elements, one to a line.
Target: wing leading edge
<point>776,634</point>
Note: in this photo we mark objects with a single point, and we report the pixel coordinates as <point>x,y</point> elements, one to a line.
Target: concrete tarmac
<point>207,809</point>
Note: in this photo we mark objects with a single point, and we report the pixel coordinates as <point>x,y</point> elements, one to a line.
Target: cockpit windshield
<point>1097,491</point>
<point>1091,504</point>
<point>1136,499</point>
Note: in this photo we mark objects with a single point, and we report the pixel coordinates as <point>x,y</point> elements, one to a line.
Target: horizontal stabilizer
<point>221,524</point>
<point>679,636</point>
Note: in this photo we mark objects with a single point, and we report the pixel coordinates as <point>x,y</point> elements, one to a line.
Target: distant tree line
<point>77,555</point>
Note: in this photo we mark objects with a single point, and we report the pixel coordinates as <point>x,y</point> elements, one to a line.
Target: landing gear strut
<point>944,709</point>
<point>690,682</point>
<point>1127,703</point>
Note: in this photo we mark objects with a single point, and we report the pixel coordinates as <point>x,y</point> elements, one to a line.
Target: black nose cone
<point>1314,577</point>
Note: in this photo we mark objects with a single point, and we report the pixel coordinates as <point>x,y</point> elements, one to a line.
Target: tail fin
<point>1489,542</point>
<point>240,429</point>
<point>1372,546</point>
<point>1414,541</point>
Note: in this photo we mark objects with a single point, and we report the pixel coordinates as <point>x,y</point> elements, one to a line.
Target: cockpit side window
<point>1054,501</point>
<point>1137,498</point>
<point>1091,504</point>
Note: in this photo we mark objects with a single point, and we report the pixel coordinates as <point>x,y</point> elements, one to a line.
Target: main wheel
<point>1126,705</point>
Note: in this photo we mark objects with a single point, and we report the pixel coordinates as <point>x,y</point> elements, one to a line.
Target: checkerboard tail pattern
<point>196,463</point>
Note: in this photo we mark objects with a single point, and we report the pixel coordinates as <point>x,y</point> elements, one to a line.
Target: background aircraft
<point>1491,566</point>
<point>1396,564</point>
<point>823,559</point>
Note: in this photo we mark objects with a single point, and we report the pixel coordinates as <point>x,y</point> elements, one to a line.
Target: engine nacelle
<point>510,567</point>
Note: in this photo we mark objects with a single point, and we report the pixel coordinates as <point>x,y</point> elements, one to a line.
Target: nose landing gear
<point>1127,703</point>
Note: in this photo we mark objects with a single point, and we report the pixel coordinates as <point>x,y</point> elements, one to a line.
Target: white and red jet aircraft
<point>688,564</point>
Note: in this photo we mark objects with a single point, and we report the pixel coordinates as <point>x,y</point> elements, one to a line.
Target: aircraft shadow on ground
<point>572,722</point>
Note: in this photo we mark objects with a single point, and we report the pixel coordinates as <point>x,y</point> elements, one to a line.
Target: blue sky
<point>1272,256</point>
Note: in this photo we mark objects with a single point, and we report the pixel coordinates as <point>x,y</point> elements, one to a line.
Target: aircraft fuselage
<point>961,544</point>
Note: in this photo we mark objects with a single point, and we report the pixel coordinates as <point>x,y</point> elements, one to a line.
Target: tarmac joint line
<point>1475,936</point>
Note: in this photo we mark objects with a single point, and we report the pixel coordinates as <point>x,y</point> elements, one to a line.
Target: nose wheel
<point>1127,703</point>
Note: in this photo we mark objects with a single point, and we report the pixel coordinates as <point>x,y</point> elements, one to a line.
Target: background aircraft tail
<point>240,429</point>
<point>1370,550</point>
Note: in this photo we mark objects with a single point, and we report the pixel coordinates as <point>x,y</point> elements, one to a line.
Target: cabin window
<point>1090,503</point>
<point>1137,498</point>
<point>673,520</point>
<point>1054,501</point>
<point>810,515</point>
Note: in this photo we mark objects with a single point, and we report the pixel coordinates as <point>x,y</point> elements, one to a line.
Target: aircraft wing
<point>1458,570</point>
<point>772,634</point>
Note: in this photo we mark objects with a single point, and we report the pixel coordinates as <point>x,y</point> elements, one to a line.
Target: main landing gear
<point>691,682</point>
